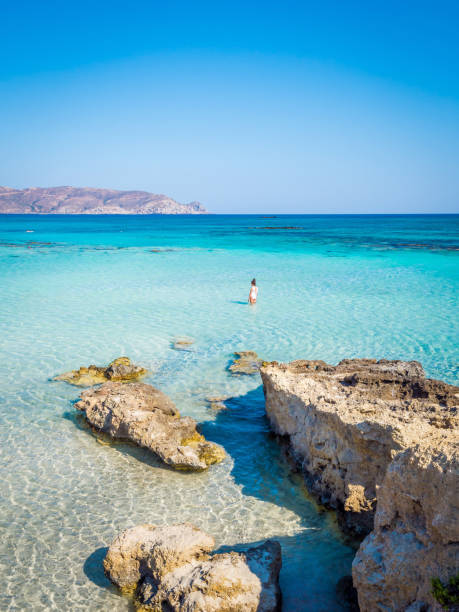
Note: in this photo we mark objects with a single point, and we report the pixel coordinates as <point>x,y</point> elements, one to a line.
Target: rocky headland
<point>172,568</point>
<point>90,201</point>
<point>119,370</point>
<point>378,441</point>
<point>141,414</point>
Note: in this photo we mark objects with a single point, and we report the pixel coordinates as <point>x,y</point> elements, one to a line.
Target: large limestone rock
<point>369,432</point>
<point>416,533</point>
<point>146,416</point>
<point>170,568</point>
<point>346,423</point>
<point>119,370</point>
<point>147,550</point>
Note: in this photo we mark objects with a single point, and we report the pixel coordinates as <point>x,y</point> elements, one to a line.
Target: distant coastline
<point>91,201</point>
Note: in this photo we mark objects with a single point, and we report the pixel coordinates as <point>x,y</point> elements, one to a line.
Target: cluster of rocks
<point>171,568</point>
<point>119,370</point>
<point>140,414</point>
<point>378,441</point>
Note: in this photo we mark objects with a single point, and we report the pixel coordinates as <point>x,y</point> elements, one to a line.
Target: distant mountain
<point>88,201</point>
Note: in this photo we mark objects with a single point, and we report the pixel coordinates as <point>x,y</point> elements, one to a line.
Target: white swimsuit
<point>253,292</point>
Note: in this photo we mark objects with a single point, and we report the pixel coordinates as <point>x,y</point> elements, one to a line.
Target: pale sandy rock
<point>346,423</point>
<point>146,416</point>
<point>174,571</point>
<point>416,532</point>
<point>229,582</point>
<point>148,550</point>
<point>367,432</point>
<point>119,370</point>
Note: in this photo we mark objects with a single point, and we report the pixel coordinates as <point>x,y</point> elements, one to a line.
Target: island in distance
<point>89,201</point>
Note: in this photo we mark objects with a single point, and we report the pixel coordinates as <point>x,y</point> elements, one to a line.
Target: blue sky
<point>247,107</point>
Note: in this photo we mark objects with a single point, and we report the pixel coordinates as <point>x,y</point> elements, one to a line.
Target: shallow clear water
<point>103,287</point>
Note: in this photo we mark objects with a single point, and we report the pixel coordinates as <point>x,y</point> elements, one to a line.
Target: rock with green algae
<point>171,568</point>
<point>246,363</point>
<point>145,416</point>
<point>119,370</point>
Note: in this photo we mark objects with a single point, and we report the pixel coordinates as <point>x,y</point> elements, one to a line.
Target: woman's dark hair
<point>254,282</point>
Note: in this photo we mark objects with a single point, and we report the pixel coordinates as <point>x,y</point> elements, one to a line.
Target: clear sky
<point>328,106</point>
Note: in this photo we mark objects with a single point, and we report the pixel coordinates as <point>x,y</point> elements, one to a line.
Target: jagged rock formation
<point>369,432</point>
<point>89,201</point>
<point>144,415</point>
<point>119,370</point>
<point>170,568</point>
<point>416,533</point>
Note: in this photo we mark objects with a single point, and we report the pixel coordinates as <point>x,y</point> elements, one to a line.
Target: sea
<point>80,290</point>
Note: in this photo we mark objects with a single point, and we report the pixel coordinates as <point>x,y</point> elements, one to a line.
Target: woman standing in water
<point>253,292</point>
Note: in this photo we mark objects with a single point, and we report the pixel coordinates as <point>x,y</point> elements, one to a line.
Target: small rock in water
<point>146,416</point>
<point>217,402</point>
<point>246,363</point>
<point>119,370</point>
<point>217,406</point>
<point>182,343</point>
<point>170,567</point>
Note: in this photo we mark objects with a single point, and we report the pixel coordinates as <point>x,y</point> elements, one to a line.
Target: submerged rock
<point>246,362</point>
<point>119,370</point>
<point>217,402</point>
<point>146,416</point>
<point>369,432</point>
<point>182,343</point>
<point>170,568</point>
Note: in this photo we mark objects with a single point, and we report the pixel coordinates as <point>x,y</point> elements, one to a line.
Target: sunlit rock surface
<point>119,370</point>
<point>170,568</point>
<point>146,416</point>
<point>154,551</point>
<point>370,434</point>
<point>416,532</point>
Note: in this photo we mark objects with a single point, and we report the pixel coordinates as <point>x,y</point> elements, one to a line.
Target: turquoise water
<point>80,290</point>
